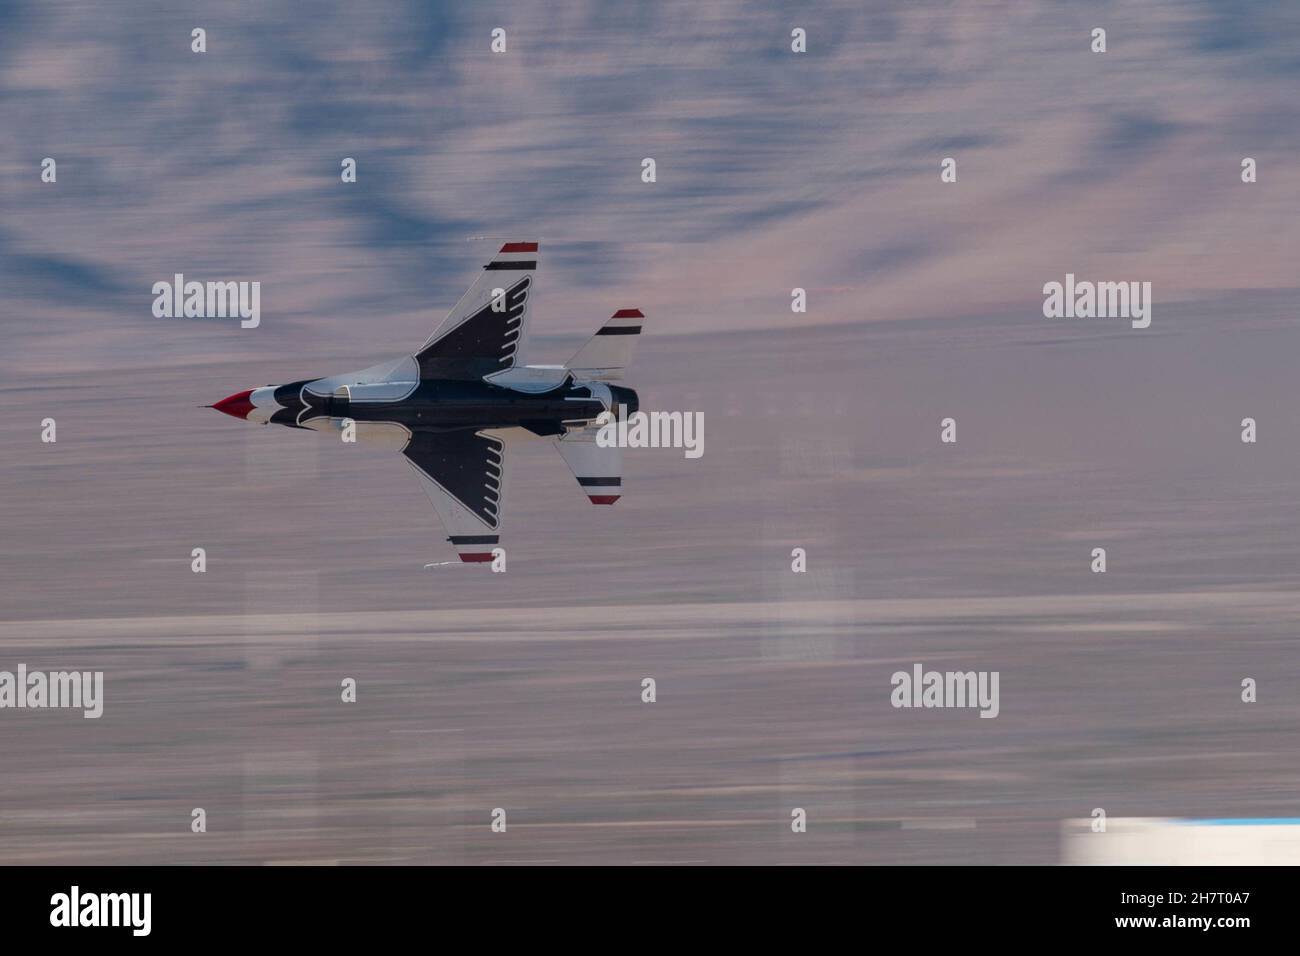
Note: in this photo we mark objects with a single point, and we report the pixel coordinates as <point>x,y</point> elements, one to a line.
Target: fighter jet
<point>453,406</point>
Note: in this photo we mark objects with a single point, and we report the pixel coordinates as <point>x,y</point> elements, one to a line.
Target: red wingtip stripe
<point>604,499</point>
<point>477,556</point>
<point>519,247</point>
<point>628,314</point>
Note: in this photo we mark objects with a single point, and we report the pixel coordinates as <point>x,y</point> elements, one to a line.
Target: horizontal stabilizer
<point>609,351</point>
<point>599,470</point>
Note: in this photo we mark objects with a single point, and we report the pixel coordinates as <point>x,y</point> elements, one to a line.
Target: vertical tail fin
<point>609,351</point>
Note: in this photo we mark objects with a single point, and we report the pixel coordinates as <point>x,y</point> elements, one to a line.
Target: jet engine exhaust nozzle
<point>623,396</point>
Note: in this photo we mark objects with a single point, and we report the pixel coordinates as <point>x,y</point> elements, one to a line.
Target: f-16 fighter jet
<point>452,407</point>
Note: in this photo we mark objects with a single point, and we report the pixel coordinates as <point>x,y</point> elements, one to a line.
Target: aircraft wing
<point>463,473</point>
<point>485,330</point>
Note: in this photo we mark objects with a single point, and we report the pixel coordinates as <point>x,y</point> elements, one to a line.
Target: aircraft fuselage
<point>435,405</point>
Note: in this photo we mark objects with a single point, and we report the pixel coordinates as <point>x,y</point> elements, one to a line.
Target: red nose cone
<point>237,405</point>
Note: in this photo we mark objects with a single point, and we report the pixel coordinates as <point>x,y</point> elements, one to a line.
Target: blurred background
<point>775,170</point>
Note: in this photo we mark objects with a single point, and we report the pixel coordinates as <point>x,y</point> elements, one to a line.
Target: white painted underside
<point>529,378</point>
<point>388,436</point>
<point>400,370</point>
<point>264,404</point>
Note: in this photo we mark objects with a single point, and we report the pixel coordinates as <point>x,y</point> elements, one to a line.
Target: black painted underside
<point>449,405</point>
